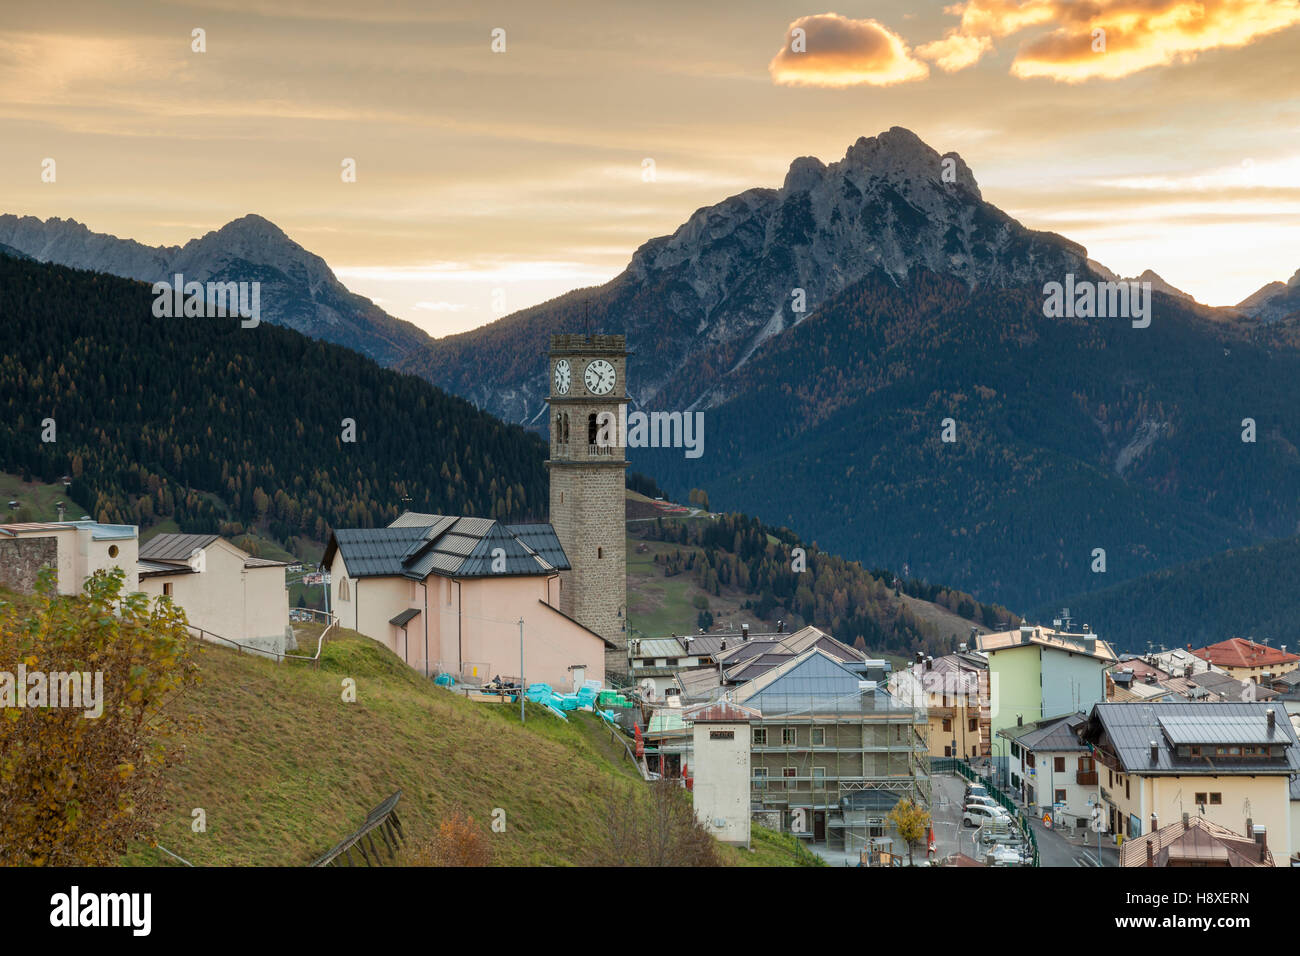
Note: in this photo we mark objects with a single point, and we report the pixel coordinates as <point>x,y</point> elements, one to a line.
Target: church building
<point>446,593</point>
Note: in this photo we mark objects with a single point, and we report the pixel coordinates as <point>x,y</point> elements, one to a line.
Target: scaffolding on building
<point>846,809</point>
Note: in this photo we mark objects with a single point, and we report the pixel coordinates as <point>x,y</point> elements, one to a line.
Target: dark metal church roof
<point>417,545</point>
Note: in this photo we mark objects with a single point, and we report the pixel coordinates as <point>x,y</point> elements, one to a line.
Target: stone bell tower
<point>587,470</point>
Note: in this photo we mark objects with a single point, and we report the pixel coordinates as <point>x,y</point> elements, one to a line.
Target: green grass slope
<point>284,768</point>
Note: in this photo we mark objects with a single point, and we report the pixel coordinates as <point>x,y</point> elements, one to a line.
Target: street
<point>1054,849</point>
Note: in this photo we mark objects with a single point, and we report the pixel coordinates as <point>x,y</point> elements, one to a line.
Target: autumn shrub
<point>77,787</point>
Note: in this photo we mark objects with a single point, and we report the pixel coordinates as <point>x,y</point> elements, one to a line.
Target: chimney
<point>929,663</point>
<point>1261,837</point>
<point>780,627</point>
<point>1151,854</point>
<point>1020,720</point>
<point>1155,821</point>
<point>724,644</point>
<point>744,632</point>
<point>1272,720</point>
<point>1187,821</point>
<point>1250,829</point>
<point>1155,752</point>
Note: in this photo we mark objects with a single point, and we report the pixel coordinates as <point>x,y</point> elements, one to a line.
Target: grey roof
<point>417,545</point>
<point>174,547</point>
<point>153,569</point>
<point>404,617</point>
<point>1128,729</point>
<point>1232,688</point>
<point>1052,734</point>
<point>106,532</point>
<point>1201,728</point>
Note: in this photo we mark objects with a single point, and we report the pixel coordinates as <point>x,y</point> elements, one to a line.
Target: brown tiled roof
<point>1199,841</point>
<point>1239,652</point>
<point>723,711</point>
<point>20,527</point>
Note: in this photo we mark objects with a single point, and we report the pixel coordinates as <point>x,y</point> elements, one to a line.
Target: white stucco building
<point>225,592</point>
<point>720,751</point>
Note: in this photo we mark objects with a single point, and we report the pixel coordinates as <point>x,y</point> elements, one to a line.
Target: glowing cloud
<point>1105,39</point>
<point>827,49</point>
<point>955,52</point>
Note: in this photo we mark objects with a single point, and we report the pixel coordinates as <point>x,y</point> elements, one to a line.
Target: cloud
<point>827,49</point>
<point>1105,39</point>
<point>955,52</point>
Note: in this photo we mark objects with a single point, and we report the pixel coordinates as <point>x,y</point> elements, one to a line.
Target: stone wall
<point>21,559</point>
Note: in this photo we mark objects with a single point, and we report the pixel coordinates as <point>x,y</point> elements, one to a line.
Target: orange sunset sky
<point>1177,148</point>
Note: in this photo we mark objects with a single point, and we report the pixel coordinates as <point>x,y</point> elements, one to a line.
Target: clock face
<point>599,377</point>
<point>562,377</point>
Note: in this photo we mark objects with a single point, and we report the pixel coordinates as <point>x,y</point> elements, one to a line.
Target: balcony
<point>1086,778</point>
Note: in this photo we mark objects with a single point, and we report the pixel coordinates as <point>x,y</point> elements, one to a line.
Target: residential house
<point>73,549</point>
<point>1230,762</point>
<point>447,593</point>
<point>1246,660</point>
<point>1052,769</point>
<point>954,690</point>
<point>1196,841</point>
<point>1036,672</point>
<point>228,595</point>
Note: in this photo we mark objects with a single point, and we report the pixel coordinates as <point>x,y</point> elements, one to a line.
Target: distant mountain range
<point>925,302</point>
<point>298,290</point>
<point>828,328</point>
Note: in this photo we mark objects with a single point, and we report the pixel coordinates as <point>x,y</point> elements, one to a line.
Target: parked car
<point>982,801</point>
<point>975,790</point>
<point>978,815</point>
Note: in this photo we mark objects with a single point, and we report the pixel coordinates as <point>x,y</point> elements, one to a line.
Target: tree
<point>912,821</point>
<point>82,764</point>
<point>655,825</point>
<point>458,842</point>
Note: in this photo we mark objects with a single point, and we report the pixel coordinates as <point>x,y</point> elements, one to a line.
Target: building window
<point>947,751</point>
<point>947,725</point>
<point>1058,764</point>
<point>1029,758</point>
<point>760,737</point>
<point>1015,749</point>
<point>1086,764</point>
<point>1058,796</point>
<point>591,429</point>
<point>790,783</point>
<point>1200,799</point>
<point>1216,799</point>
<point>167,588</point>
<point>600,553</point>
<point>787,737</point>
<point>973,724</point>
<point>1128,795</point>
<point>112,551</point>
<point>819,736</point>
<point>819,778</point>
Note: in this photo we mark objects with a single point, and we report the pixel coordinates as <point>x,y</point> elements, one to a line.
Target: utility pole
<point>521,670</point>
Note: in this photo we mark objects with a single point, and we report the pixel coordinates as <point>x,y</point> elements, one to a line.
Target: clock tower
<point>588,509</point>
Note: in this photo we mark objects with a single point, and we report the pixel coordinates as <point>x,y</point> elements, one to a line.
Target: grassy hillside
<point>285,769</point>
<point>36,500</point>
<point>734,571</point>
